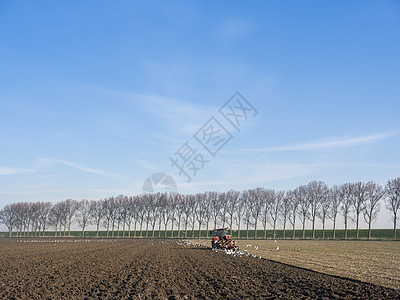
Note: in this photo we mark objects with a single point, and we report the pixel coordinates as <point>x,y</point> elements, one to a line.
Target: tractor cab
<point>221,234</point>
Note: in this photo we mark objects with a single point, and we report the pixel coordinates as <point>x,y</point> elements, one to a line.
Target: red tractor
<point>221,240</point>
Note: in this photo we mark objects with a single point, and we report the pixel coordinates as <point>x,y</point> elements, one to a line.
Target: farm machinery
<point>222,240</point>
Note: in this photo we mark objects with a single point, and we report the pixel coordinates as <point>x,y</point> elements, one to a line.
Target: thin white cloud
<point>92,171</point>
<point>331,144</point>
<point>179,116</point>
<point>12,171</point>
<point>255,175</point>
<point>146,164</point>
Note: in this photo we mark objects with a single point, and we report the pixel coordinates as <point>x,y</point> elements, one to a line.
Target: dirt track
<point>139,269</point>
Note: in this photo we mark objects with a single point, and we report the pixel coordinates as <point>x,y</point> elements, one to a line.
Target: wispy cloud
<point>91,170</point>
<point>12,171</point>
<point>326,145</point>
<point>177,115</point>
<point>256,174</point>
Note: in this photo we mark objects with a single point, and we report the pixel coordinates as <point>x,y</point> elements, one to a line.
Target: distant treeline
<point>376,234</point>
<point>256,210</point>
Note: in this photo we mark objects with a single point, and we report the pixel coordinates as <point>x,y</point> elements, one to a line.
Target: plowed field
<point>145,269</point>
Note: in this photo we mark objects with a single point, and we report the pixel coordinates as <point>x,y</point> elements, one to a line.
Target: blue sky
<point>97,95</point>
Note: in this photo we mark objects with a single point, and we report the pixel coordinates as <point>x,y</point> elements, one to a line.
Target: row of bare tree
<point>146,214</point>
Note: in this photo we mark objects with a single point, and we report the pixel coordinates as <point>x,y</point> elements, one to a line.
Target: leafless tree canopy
<point>170,215</point>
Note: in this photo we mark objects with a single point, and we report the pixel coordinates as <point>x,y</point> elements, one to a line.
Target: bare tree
<point>83,215</point>
<point>44,212</point>
<point>179,210</point>
<point>215,207</point>
<point>131,207</point>
<point>294,206</point>
<point>266,202</point>
<point>346,194</point>
<point>393,200</point>
<point>56,217</point>
<point>374,193</point>
<point>323,213</point>
<point>156,205</point>
<point>34,213</point>
<point>255,198</point>
<point>110,215</point>
<point>246,203</point>
<point>192,216</point>
<point>285,210</point>
<point>189,207</point>
<point>317,192</point>
<point>201,209</point>
<point>359,197</point>
<point>97,213</point>
<point>275,209</point>
<point>172,204</point>
<point>141,212</point>
<point>304,205</point>
<point>70,209</point>
<point>8,217</point>
<point>21,211</point>
<point>335,199</point>
<point>222,198</point>
<point>240,211</point>
<point>231,206</point>
<point>166,211</point>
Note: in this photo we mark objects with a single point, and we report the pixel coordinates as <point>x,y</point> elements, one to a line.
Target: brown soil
<point>146,269</point>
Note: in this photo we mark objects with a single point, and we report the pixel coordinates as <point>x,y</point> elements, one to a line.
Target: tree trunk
<point>199,229</point>
<point>179,227</point>
<point>265,231</point>
<point>294,228</point>
<point>334,228</point>
<point>394,227</point>
<point>255,230</point>
<point>186,226</point>
<point>369,228</point>
<point>97,229</point>
<point>239,228</point>
<point>345,228</point>
<point>284,230</point>
<point>172,226</point>
<point>313,227</point>
<point>357,226</point>
<point>304,228</point>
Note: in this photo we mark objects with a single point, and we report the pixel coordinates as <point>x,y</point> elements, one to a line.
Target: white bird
<point>277,248</point>
<point>275,241</point>
<point>256,247</point>
<point>260,256</point>
<point>248,246</point>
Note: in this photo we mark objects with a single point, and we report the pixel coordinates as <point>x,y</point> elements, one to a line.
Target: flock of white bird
<point>233,252</point>
<point>67,241</point>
